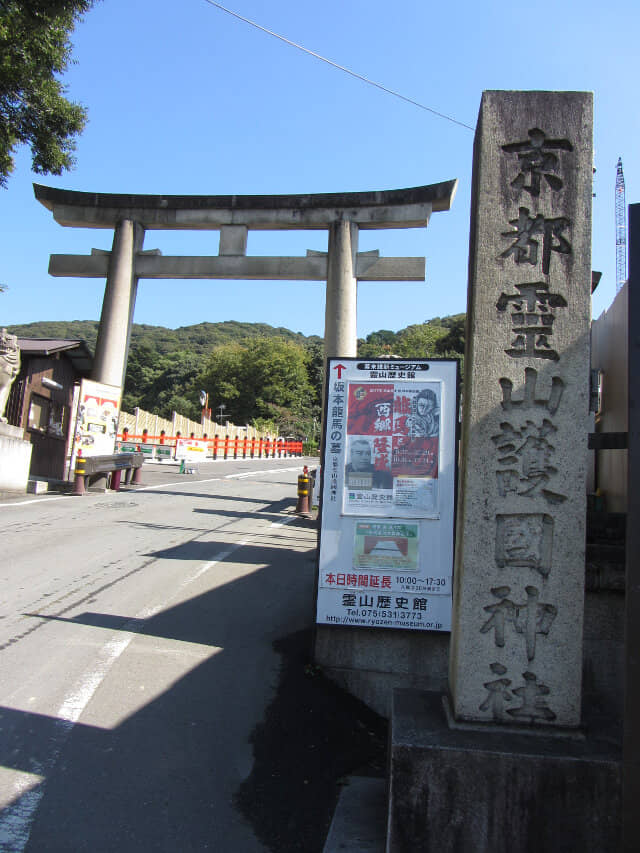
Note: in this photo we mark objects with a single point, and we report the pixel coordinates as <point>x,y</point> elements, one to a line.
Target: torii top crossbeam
<point>403,208</point>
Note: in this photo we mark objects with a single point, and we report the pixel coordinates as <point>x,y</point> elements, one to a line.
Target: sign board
<point>163,453</point>
<point>126,447</point>
<point>191,449</point>
<point>388,488</point>
<point>96,419</point>
<point>157,452</point>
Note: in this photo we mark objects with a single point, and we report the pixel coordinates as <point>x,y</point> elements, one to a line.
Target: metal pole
<point>631,742</point>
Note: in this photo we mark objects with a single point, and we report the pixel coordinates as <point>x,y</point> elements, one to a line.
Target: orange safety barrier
<point>261,447</point>
<point>145,439</point>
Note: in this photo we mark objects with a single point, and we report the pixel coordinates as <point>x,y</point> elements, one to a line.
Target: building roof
<point>76,351</point>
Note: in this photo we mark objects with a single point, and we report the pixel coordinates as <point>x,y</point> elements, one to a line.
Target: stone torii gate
<point>341,214</point>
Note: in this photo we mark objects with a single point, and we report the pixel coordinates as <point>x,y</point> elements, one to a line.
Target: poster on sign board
<point>388,474</point>
<point>393,437</point>
<point>191,449</point>
<point>96,422</point>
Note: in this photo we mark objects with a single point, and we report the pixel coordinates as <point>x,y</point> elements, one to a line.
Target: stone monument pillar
<point>516,647</point>
<point>505,766</point>
<point>119,302</point>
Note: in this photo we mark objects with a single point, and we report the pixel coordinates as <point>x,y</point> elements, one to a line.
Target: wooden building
<point>41,399</point>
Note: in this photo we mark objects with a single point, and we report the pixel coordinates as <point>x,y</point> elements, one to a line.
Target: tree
<point>34,50</point>
<point>162,383</point>
<point>380,343</point>
<point>262,378</point>
<point>419,341</point>
<point>453,340</point>
<point>315,368</point>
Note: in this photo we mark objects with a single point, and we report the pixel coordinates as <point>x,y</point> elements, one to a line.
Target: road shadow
<point>204,495</point>
<point>167,775</point>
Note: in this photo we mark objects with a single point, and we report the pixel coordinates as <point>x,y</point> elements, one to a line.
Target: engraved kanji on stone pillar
<point>519,567</point>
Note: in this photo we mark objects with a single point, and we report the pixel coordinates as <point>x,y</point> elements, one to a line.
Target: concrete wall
<point>15,454</point>
<point>371,662</point>
<point>609,354</point>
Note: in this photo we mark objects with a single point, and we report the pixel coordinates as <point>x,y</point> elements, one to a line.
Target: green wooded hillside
<point>268,376</point>
<point>199,338</point>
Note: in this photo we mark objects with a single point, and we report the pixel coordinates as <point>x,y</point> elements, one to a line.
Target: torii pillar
<point>340,326</point>
<point>116,319</point>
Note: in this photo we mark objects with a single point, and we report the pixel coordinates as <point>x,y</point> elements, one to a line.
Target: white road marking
<point>32,501</point>
<point>239,476</point>
<point>263,471</point>
<point>180,483</point>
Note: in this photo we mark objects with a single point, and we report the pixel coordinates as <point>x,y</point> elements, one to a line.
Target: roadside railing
<point>174,447</point>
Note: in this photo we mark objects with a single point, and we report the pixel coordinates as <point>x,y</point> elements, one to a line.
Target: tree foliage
<point>34,50</point>
<point>162,384</point>
<point>432,339</point>
<point>262,375</point>
<point>453,340</point>
<point>200,338</point>
<point>262,379</point>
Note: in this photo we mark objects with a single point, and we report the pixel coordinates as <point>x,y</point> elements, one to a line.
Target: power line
<point>339,67</point>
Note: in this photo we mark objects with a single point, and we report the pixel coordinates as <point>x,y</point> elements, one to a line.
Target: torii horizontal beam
<point>368,267</point>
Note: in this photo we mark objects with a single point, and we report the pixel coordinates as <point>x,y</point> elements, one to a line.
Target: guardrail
<point>113,464</point>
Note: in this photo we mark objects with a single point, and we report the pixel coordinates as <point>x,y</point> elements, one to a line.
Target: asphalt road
<point>136,655</point>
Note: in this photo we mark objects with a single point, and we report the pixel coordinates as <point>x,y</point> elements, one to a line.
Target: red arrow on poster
<point>339,368</point>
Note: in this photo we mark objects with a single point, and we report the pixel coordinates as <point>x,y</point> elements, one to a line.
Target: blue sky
<point>183,98</point>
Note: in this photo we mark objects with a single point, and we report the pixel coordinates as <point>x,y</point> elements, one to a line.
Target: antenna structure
<point>621,228</point>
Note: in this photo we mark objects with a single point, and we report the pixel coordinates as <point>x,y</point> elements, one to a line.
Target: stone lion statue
<point>9,367</point>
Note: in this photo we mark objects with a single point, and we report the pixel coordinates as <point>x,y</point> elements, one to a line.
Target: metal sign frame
<point>388,486</point>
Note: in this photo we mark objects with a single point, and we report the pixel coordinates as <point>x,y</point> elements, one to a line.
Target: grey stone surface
<point>468,792</point>
<point>516,651</point>
<point>112,344</point>
<point>239,267</point>
<point>340,332</point>
<point>9,367</point>
<point>233,240</point>
<point>359,821</point>
<point>404,208</point>
<point>371,663</point>
<point>37,487</point>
